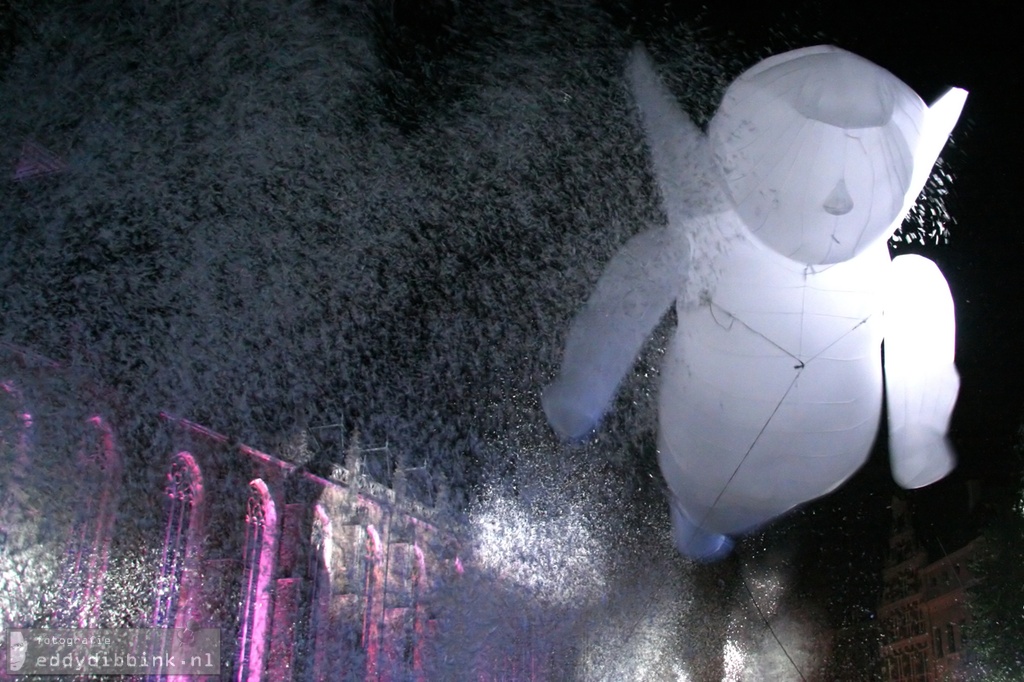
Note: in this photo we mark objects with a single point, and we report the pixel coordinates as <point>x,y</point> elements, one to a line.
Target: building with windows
<point>924,607</point>
<point>55,528</point>
<point>307,576</point>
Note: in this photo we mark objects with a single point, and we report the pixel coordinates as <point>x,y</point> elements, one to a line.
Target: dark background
<point>438,333</point>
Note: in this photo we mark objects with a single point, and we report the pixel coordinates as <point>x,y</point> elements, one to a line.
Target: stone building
<point>307,577</point>
<point>60,487</point>
<point>923,608</point>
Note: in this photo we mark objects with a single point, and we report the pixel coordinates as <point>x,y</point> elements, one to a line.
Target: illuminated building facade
<point>55,528</point>
<point>311,578</point>
<point>308,577</point>
<point>924,607</point>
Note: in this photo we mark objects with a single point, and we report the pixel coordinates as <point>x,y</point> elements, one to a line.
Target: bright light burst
<point>767,589</point>
<point>551,553</point>
<point>734,663</point>
<point>26,584</point>
<point>645,649</point>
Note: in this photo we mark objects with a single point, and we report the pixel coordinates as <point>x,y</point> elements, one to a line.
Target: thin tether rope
<point>753,600</point>
<point>799,367</point>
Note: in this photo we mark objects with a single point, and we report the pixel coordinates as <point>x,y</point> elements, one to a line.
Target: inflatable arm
<point>921,383</point>
<point>637,287</point>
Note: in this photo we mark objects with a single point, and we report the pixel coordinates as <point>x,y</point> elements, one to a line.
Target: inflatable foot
<point>695,543</point>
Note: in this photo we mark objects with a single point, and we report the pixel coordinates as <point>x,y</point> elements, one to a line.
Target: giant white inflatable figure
<point>776,257</point>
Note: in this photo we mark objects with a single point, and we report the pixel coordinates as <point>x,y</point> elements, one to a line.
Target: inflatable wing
<point>647,274</point>
<point>680,153</point>
<point>775,256</point>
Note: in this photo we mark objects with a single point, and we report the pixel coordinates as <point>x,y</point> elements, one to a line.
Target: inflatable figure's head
<point>816,149</point>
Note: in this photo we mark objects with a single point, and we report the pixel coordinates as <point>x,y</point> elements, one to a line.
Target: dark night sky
<point>929,48</point>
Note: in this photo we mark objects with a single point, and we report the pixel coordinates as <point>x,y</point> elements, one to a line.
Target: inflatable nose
<point>838,201</point>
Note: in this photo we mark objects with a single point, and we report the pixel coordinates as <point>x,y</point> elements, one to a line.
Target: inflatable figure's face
<point>815,149</point>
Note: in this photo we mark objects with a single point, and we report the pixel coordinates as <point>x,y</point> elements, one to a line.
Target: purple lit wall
<point>308,578</point>
<point>184,499</point>
<point>99,469</point>
<point>322,545</point>
<point>260,554</point>
<point>373,611</point>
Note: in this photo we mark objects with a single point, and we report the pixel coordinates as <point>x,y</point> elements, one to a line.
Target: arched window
<point>421,623</point>
<point>183,496</point>
<point>320,557</point>
<point>348,604</point>
<point>260,552</point>
<point>373,606</point>
<point>88,547</point>
<point>405,570</point>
